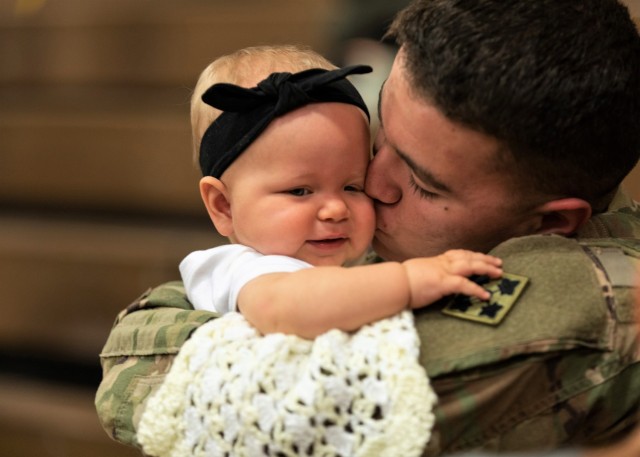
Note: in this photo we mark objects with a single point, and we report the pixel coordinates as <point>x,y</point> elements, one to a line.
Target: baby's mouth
<point>328,242</point>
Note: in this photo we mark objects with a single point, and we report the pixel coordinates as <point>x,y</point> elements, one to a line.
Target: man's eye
<point>299,192</point>
<point>421,191</point>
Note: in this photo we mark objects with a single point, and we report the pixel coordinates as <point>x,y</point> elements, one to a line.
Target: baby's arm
<point>311,301</point>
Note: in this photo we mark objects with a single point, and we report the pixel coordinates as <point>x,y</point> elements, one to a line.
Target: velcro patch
<point>620,269</point>
<point>505,291</point>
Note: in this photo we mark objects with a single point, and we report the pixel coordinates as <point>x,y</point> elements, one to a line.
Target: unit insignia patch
<point>505,292</point>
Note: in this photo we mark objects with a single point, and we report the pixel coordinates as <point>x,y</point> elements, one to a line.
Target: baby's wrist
<point>407,281</point>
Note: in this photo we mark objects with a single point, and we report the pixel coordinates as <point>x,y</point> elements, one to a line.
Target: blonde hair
<point>246,67</point>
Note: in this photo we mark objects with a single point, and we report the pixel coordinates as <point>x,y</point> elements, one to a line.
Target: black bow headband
<point>247,112</point>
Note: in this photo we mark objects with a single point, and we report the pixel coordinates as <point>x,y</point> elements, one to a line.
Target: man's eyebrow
<point>424,175</point>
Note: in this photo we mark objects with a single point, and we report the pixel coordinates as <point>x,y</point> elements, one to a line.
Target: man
<point>506,126</point>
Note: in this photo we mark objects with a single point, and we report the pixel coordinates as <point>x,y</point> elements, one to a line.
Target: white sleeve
<point>213,277</point>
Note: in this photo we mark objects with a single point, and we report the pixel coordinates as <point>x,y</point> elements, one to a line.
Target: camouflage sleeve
<point>561,369</point>
<point>139,352</point>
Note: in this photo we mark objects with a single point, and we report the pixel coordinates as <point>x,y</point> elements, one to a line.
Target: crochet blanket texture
<point>342,394</point>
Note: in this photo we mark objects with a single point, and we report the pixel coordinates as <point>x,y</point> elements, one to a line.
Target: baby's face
<point>298,190</point>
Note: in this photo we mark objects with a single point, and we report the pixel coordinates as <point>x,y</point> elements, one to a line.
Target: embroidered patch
<point>504,294</point>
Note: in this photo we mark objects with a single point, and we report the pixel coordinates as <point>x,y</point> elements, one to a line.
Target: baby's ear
<point>215,197</point>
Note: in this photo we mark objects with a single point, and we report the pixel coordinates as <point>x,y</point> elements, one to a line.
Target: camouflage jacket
<point>561,368</point>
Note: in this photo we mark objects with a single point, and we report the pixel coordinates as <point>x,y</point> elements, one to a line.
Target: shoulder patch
<point>504,294</point>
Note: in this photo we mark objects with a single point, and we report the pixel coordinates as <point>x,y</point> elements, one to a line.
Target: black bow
<point>248,111</point>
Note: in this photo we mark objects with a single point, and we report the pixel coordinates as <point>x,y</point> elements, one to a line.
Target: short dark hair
<point>556,81</point>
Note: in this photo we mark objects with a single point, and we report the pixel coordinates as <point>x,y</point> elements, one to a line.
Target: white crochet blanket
<point>342,394</point>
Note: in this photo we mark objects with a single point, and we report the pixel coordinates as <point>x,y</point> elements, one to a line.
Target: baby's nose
<point>333,209</point>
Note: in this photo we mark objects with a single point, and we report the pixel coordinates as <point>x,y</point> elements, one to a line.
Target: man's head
<point>285,164</point>
<point>521,116</point>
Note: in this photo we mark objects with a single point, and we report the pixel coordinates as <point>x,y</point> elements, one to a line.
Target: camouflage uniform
<point>561,368</point>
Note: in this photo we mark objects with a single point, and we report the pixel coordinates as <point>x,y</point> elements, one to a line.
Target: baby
<point>283,143</point>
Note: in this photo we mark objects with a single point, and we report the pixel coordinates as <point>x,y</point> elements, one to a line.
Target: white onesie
<point>213,277</point>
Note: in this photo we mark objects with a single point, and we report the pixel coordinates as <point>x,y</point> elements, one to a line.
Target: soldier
<point>506,127</point>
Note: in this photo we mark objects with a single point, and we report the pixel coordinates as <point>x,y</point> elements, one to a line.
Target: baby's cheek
<point>370,217</point>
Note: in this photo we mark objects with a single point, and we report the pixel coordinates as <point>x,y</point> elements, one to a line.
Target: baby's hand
<point>431,278</point>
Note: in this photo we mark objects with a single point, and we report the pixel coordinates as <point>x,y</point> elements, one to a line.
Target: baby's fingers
<point>467,287</point>
<point>484,269</point>
<point>468,263</point>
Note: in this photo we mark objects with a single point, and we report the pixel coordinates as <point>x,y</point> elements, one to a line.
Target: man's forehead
<point>410,158</point>
<point>424,138</point>
<point>398,85</point>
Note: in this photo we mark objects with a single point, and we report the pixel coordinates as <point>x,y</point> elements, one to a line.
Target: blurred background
<point>98,195</point>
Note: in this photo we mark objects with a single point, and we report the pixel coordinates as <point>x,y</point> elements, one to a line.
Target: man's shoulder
<point>158,322</point>
<point>139,352</point>
<point>564,349</point>
<point>170,295</point>
<point>620,221</point>
<point>561,294</point>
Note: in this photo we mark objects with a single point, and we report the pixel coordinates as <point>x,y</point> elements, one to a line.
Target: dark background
<point>98,195</point>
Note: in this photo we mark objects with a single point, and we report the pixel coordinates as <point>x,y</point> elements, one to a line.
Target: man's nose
<point>333,209</point>
<point>380,183</point>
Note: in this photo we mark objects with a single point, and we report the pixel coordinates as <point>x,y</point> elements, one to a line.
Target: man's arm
<point>144,340</point>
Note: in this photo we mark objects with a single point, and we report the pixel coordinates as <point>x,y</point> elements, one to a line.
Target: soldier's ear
<point>563,216</point>
<point>215,196</point>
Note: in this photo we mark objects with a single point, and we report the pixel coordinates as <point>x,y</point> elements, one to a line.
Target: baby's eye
<point>353,188</point>
<point>299,192</point>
